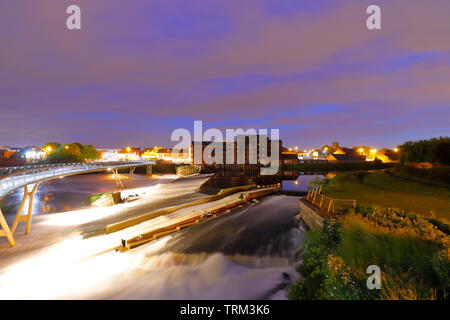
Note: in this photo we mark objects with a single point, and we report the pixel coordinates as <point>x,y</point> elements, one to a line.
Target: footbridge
<point>29,177</point>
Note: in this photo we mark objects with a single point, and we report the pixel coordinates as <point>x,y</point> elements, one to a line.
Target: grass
<point>401,257</point>
<point>412,253</point>
<point>95,197</point>
<point>392,229</point>
<point>385,189</point>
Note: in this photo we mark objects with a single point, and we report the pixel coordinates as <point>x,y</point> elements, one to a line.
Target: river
<point>250,253</point>
<point>71,193</point>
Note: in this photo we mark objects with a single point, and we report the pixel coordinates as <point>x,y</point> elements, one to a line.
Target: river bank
<point>385,189</point>
<point>400,226</point>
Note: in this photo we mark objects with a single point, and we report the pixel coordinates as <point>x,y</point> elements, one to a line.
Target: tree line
<point>434,150</point>
<point>70,152</point>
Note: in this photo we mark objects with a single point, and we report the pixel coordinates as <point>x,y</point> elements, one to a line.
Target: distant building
<point>109,154</point>
<point>289,158</point>
<point>164,154</point>
<point>247,152</point>
<point>345,157</point>
<point>129,154</point>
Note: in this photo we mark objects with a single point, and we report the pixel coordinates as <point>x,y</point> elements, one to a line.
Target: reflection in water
<point>71,193</point>
<point>302,183</point>
<point>293,182</point>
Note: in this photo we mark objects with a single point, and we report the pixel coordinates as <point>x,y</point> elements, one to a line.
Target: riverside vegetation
<point>411,248</point>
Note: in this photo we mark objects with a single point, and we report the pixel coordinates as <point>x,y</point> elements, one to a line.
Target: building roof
<point>347,157</point>
<point>164,150</point>
<point>290,156</point>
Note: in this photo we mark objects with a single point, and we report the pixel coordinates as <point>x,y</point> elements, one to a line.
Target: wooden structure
<point>327,204</point>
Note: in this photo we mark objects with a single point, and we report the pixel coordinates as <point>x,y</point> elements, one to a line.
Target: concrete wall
<point>310,215</point>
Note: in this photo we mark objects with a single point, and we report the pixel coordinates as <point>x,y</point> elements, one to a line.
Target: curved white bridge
<point>12,178</point>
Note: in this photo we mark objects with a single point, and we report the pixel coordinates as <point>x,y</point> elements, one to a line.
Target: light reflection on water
<point>302,183</point>
<point>70,193</point>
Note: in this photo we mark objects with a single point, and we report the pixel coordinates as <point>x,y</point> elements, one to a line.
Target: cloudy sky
<point>139,69</point>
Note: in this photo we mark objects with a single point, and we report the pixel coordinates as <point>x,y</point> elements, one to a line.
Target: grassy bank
<point>388,190</point>
<point>412,253</point>
<point>339,166</point>
<point>439,175</point>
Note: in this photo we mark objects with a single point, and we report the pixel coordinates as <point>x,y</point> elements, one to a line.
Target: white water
<point>76,268</point>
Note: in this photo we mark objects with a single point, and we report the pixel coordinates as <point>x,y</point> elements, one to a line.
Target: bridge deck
<point>15,177</point>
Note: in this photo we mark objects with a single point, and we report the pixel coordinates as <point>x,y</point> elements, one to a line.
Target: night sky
<point>140,68</point>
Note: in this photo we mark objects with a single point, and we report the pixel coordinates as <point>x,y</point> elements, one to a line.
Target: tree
<point>435,150</point>
<point>71,152</point>
<point>66,153</point>
<point>89,152</point>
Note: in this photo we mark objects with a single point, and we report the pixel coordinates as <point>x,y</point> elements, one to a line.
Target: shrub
<point>437,175</point>
<point>435,150</point>
<point>314,269</point>
<point>164,167</point>
<point>187,170</point>
<point>441,266</point>
<point>412,252</point>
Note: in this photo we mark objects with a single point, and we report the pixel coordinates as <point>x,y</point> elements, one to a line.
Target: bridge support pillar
<point>149,170</point>
<point>5,231</point>
<point>117,178</point>
<point>132,170</point>
<point>27,217</point>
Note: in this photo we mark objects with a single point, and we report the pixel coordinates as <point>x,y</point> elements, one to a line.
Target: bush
<point>187,170</point>
<point>314,269</point>
<point>411,251</point>
<point>436,175</point>
<point>435,150</point>
<point>164,167</point>
<point>441,266</point>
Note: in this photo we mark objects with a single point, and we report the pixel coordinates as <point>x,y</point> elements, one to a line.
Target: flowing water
<point>71,193</point>
<point>249,253</point>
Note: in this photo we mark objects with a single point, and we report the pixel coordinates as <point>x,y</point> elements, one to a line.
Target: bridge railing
<point>13,177</point>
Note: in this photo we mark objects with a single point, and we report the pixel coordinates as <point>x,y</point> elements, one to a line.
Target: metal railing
<point>325,203</point>
<point>12,178</point>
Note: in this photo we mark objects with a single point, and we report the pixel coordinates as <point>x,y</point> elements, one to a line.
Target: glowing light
<point>360,150</point>
<point>373,150</point>
<point>395,149</point>
<point>290,149</point>
<point>128,149</point>
<point>66,147</point>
